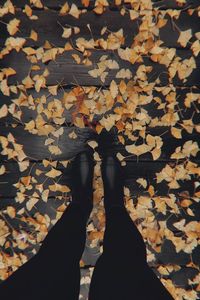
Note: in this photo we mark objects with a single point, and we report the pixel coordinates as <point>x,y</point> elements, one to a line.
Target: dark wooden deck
<point>180,266</point>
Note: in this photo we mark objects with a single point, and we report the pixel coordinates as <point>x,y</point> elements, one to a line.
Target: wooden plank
<point>132,171</point>
<point>65,69</point>
<point>28,113</point>
<point>70,147</point>
<point>162,4</point>
<point>112,19</point>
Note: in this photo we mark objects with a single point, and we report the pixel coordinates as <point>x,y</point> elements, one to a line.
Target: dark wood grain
<point>35,149</point>
<point>152,108</point>
<point>163,4</point>
<point>132,171</point>
<point>51,21</point>
<point>64,69</point>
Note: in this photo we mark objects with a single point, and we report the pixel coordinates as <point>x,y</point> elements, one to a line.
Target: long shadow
<point>121,272</point>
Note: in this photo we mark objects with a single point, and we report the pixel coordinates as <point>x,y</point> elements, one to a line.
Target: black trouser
<point>121,272</point>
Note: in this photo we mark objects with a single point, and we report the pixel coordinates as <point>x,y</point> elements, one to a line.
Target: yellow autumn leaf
<point>196,47</point>
<point>92,144</point>
<point>133,14</point>
<point>176,132</point>
<point>2,170</point>
<point>29,50</point>
<point>8,71</point>
<point>12,26</point>
<point>53,173</point>
<point>142,181</point>
<point>4,87</point>
<point>45,195</point>
<point>156,153</point>
<point>113,89</point>
<point>124,73</point>
<point>138,150</point>
<point>33,35</point>
<point>15,43</point>
<point>184,37</point>
<point>53,89</point>
<point>3,111</point>
<point>30,203</point>
<point>76,58</point>
<point>40,82</point>
<point>72,135</point>
<point>28,82</point>
<point>11,211</point>
<point>28,10</point>
<point>67,32</point>
<point>54,150</point>
<point>23,165</point>
<point>30,125</point>
<point>74,11</point>
<point>64,9</point>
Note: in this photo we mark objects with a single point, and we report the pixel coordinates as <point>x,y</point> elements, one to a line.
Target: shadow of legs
<point>122,272</point>
<point>54,271</point>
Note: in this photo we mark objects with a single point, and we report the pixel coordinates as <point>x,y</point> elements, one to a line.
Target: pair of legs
<point>121,272</point>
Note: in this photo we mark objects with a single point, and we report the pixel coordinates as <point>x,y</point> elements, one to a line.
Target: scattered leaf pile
<point>140,76</point>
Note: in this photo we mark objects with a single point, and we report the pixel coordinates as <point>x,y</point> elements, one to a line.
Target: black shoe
<point>81,180</point>
<point>108,142</point>
<point>113,181</point>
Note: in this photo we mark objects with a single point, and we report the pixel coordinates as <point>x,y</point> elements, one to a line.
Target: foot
<point>113,180</point>
<point>81,172</point>
<point>108,142</point>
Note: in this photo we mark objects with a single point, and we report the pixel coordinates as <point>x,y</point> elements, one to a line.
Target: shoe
<point>81,180</point>
<point>108,142</point>
<point>113,181</point>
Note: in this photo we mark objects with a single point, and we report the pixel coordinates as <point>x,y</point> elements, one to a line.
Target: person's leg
<point>122,272</point>
<point>54,271</point>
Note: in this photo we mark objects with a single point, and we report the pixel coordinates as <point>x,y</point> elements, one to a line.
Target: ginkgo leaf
<point>53,89</point>
<point>92,144</point>
<point>33,35</point>
<point>13,26</point>
<point>133,14</point>
<point>54,149</point>
<point>142,181</point>
<point>2,170</point>
<point>30,203</point>
<point>138,150</point>
<point>124,73</point>
<point>3,111</point>
<point>74,11</point>
<point>11,211</point>
<point>67,32</point>
<point>8,71</point>
<point>53,173</point>
<point>184,37</point>
<point>196,47</point>
<point>64,9</point>
<point>28,10</point>
<point>176,132</point>
<point>15,43</point>
<point>113,89</point>
<point>72,135</point>
<point>4,87</point>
